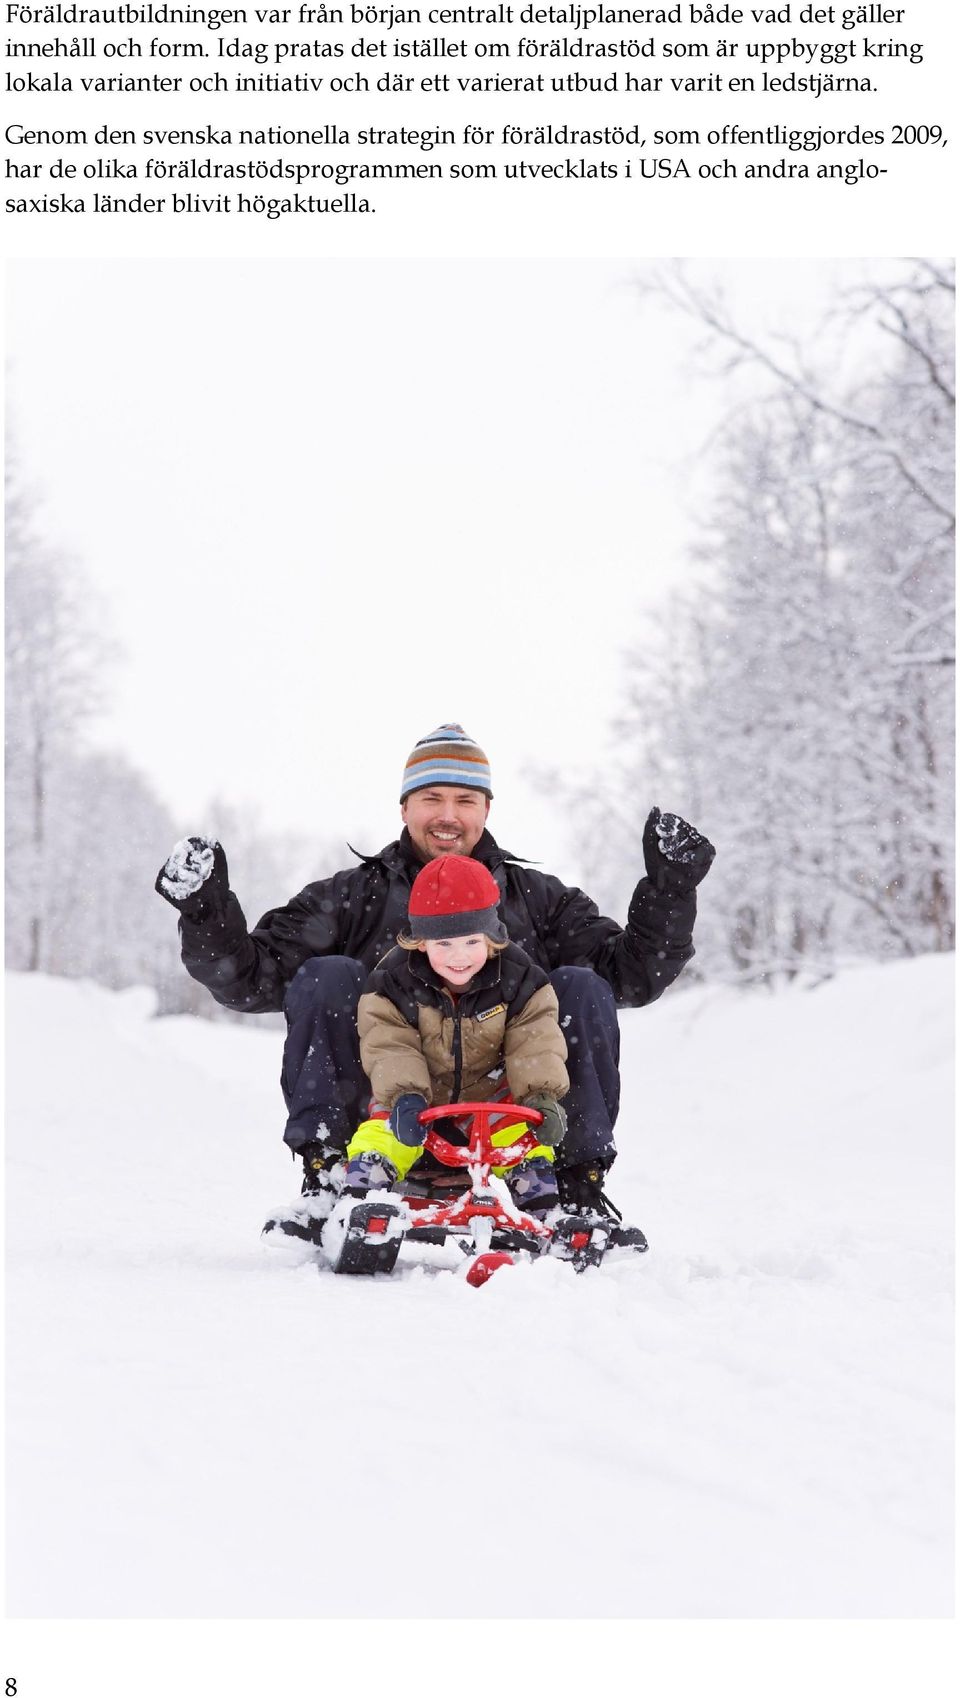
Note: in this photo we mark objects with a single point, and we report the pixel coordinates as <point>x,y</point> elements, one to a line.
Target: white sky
<point>330,505</point>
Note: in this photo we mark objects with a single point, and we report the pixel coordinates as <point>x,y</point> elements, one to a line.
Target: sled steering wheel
<point>479,1148</point>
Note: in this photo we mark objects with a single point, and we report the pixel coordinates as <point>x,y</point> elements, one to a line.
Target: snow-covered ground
<point>755,1420</point>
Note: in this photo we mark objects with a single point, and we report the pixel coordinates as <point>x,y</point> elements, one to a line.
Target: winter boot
<point>323,1169</point>
<point>369,1171</point>
<point>533,1185</point>
<point>581,1193</point>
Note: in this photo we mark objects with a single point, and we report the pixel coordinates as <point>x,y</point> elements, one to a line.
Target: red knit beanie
<point>455,896</point>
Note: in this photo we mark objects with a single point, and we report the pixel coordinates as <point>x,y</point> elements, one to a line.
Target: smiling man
<point>311,958</point>
<point>444,819</point>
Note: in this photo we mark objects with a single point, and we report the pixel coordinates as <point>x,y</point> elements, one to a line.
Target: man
<point>312,957</point>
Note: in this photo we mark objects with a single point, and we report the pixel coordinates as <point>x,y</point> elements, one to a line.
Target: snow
<point>753,1420</point>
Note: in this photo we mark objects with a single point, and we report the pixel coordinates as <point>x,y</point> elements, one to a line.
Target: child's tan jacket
<point>415,1035</point>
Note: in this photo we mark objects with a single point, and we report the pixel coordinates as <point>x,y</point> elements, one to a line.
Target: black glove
<point>554,1124</point>
<point>194,878</point>
<point>404,1122</point>
<point>676,856</point>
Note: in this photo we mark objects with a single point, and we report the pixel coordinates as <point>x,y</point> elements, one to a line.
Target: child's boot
<point>376,1159</point>
<point>533,1185</point>
<point>368,1170</point>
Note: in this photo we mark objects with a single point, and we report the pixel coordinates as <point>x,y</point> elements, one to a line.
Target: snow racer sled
<point>364,1235</point>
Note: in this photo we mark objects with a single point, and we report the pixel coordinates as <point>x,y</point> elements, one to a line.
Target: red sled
<point>482,1221</point>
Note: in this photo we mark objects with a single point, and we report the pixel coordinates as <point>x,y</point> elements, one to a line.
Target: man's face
<point>445,820</point>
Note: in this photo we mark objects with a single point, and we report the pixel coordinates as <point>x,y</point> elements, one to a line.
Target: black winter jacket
<point>360,911</point>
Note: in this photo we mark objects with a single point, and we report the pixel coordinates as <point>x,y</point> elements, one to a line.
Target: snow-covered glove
<point>554,1124</point>
<point>676,856</point>
<point>404,1122</point>
<point>194,878</point>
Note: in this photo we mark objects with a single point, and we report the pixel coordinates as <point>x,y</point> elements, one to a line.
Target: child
<point>442,1018</point>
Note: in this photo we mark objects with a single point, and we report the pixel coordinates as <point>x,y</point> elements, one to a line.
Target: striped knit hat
<point>455,896</point>
<point>446,756</point>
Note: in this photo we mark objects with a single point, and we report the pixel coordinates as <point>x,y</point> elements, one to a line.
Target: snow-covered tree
<point>55,655</point>
<point>798,704</point>
<point>85,832</point>
<point>103,917</point>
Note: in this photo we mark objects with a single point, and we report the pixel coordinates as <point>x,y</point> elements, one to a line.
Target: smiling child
<point>453,1014</point>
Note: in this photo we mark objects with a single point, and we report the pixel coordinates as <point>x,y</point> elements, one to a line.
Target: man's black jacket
<point>359,913</point>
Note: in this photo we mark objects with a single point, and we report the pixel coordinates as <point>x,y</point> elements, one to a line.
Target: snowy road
<point>754,1420</point>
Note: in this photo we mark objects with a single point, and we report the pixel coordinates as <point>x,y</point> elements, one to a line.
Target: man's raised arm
<point>641,959</point>
<point>239,970</point>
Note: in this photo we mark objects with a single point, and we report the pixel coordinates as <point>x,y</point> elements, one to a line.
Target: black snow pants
<point>327,1095</point>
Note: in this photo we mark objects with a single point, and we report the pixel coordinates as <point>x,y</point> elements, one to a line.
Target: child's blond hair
<point>421,943</point>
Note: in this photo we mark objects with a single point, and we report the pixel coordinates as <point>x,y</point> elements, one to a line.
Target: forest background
<point>792,693</point>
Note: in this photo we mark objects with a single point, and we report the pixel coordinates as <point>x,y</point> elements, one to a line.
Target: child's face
<point>456,959</point>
